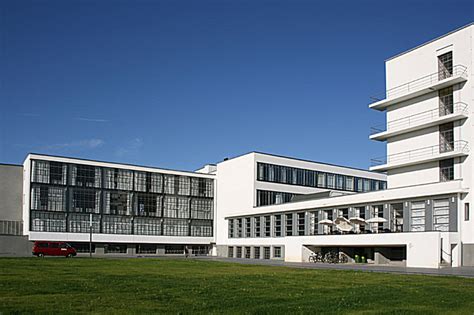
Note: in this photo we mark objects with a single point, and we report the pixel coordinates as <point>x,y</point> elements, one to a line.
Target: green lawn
<point>192,286</point>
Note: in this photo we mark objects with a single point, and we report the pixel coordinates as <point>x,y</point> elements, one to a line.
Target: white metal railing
<point>418,84</point>
<point>459,146</point>
<point>420,118</point>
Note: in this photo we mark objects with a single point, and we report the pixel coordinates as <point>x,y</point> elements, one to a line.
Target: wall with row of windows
<point>310,178</point>
<point>256,252</point>
<point>438,214</point>
<point>78,175</point>
<point>106,224</point>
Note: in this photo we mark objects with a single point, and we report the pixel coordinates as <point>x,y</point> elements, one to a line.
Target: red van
<point>43,248</point>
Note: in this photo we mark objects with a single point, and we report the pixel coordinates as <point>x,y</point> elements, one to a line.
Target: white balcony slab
<point>383,104</point>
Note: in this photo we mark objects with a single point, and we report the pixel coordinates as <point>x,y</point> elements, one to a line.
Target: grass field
<point>194,286</point>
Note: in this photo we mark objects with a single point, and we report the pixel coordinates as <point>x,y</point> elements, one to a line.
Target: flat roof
<point>430,41</point>
<point>303,160</point>
<point>117,163</point>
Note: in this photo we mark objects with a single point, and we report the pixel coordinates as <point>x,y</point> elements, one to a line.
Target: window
<point>148,204</point>
<point>446,101</point>
<point>202,208</point>
<point>276,252</point>
<point>80,223</point>
<point>441,215</point>
<point>169,181</point>
<point>349,183</point>
<point>48,222</point>
<point>267,223</point>
<point>40,172</point>
<point>118,179</point>
<point>115,249</point>
<point>148,182</point>
<point>340,182</point>
<point>175,227</point>
<point>85,200</point>
<point>147,226</point>
<point>239,227</point>
<point>466,211</point>
<point>321,180</point>
<point>85,176</point>
<point>247,252</point>
<point>445,65</point>
<point>331,181</point>
<point>248,230</point>
<point>174,249</point>
<point>239,252</point>
<point>83,247</point>
<point>48,198</point>
<point>446,137</point>
<point>256,252</point>
<point>170,207</point>
<point>277,228</point>
<point>231,228</point>
<point>418,216</point>
<point>446,170</point>
<point>289,224</point>
<point>202,187</point>
<point>201,228</point>
<point>256,224</point>
<point>230,252</point>
<point>116,225</point>
<point>184,185</point>
<point>146,249</point>
<point>301,223</point>
<point>118,202</point>
<point>266,252</point>
<point>265,197</point>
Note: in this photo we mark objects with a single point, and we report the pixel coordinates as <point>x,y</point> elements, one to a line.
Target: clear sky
<point>178,84</point>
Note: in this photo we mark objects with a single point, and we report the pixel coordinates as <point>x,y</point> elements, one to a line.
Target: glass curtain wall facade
<point>121,201</point>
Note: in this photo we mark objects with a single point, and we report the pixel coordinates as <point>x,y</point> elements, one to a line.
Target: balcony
<point>418,87</point>
<point>422,155</point>
<point>419,121</point>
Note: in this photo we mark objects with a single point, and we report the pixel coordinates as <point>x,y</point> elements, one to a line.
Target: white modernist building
<point>410,208</point>
<point>423,217</point>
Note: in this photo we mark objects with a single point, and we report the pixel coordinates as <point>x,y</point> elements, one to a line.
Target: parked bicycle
<point>331,257</point>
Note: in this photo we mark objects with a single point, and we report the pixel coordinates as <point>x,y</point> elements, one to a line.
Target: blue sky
<point>178,84</point>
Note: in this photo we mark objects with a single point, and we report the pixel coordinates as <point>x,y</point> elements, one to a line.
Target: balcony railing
<point>418,84</point>
<point>459,146</point>
<point>420,118</point>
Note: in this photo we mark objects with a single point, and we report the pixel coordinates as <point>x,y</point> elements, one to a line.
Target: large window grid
<point>310,178</point>
<point>108,194</point>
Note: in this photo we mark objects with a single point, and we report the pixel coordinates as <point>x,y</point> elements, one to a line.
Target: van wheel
<point>69,256</point>
<point>40,255</point>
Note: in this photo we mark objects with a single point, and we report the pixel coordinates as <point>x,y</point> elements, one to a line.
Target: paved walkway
<point>445,271</point>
